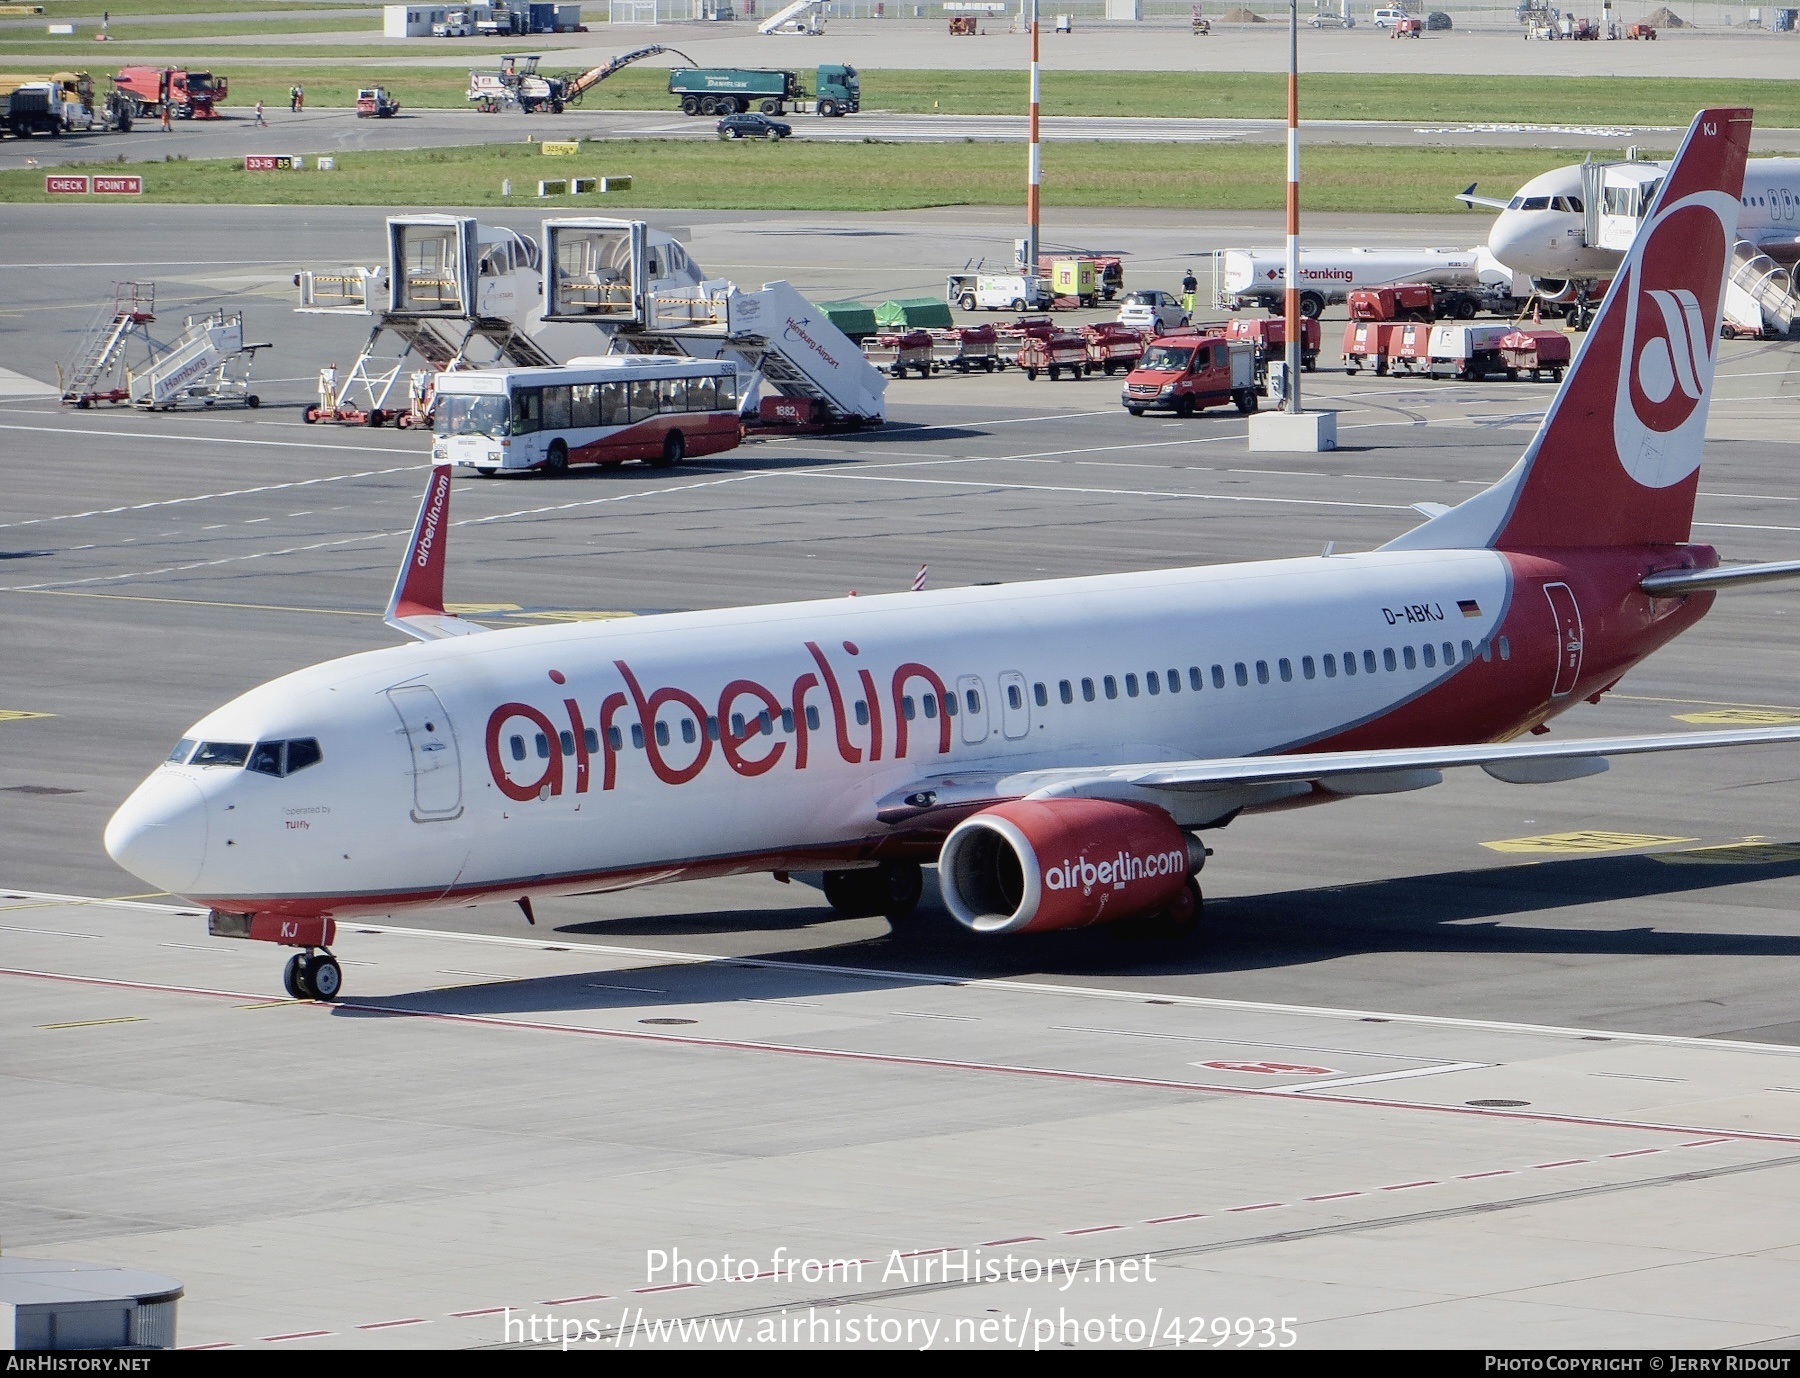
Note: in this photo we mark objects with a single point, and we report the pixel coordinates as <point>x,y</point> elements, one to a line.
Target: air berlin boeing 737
<point>1052,746</point>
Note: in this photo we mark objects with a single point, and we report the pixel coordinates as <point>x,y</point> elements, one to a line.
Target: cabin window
<point>662,733</point>
<point>1194,680</point>
<point>1218,676</point>
<point>1330,665</point>
<point>1406,654</point>
<point>180,754</point>
<point>1087,690</point>
<point>1349,662</point>
<point>1505,649</point>
<point>566,740</point>
<point>1449,653</point>
<point>543,747</point>
<point>1014,699</point>
<point>1174,678</point>
<point>1286,667</point>
<point>908,709</point>
<point>930,705</point>
<point>614,739</point>
<point>1262,672</point>
<point>302,753</point>
<point>1131,687</point>
<point>812,717</point>
<point>1243,674</point>
<point>1153,682</point>
<point>265,758</point>
<point>972,698</point>
<point>765,724</point>
<point>518,747</point>
<point>1111,685</point>
<point>712,728</point>
<point>1468,650</point>
<point>1387,658</point>
<point>688,732</point>
<point>1487,650</point>
<point>1429,652</point>
<point>1369,661</point>
<point>1065,691</point>
<point>1040,694</point>
<point>637,735</point>
<point>1307,668</point>
<point>787,718</point>
<point>862,712</point>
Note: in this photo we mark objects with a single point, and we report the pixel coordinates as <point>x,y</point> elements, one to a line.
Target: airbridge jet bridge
<point>455,292</point>
<point>640,286</point>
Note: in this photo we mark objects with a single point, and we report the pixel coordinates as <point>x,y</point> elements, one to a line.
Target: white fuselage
<point>1541,233</point>
<point>502,774</point>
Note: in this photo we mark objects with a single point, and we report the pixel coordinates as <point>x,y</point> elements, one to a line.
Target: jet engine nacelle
<point>1034,865</point>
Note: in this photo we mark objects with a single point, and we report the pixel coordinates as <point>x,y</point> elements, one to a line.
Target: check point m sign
<point>68,184</point>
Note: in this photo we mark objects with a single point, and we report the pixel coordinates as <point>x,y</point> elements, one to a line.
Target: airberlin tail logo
<point>1672,297</point>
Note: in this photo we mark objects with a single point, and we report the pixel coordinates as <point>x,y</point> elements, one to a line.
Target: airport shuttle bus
<point>589,411</point>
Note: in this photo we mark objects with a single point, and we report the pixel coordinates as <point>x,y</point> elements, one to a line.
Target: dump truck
<point>61,103</point>
<point>837,90</point>
<point>191,95</point>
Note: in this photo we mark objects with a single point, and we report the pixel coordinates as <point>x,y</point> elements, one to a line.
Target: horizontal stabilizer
<point>1678,581</point>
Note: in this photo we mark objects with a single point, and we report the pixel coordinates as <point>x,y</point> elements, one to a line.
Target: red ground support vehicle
<point>1365,346</point>
<point>967,349</point>
<point>1409,347</point>
<point>1409,27</point>
<point>1269,335</point>
<point>1187,373</point>
<point>1641,31</point>
<point>1111,346</point>
<point>896,353</point>
<point>1537,352</point>
<point>1407,301</point>
<point>1063,352</point>
<point>191,95</point>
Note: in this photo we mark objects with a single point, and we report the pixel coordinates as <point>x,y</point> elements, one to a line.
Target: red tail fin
<point>417,604</point>
<point>1617,458</point>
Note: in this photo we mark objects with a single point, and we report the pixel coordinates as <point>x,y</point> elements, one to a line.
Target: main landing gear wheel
<point>313,976</point>
<point>890,890</point>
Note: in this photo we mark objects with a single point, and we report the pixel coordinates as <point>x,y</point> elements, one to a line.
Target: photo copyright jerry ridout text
<point>1031,1330</point>
<point>1636,1363</point>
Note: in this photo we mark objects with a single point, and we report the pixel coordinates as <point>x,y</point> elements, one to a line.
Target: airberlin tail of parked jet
<point>1053,746</point>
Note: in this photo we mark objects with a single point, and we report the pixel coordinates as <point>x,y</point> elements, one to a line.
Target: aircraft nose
<point>1507,240</point>
<point>159,833</point>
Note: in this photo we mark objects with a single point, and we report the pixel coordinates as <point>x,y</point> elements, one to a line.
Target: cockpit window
<point>183,749</point>
<point>284,758</point>
<point>221,754</point>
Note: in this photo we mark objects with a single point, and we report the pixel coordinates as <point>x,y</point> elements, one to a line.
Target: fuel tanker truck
<point>1256,277</point>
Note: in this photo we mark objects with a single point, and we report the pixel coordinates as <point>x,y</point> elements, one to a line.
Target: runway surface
<point>334,131</point>
<point>487,1122</point>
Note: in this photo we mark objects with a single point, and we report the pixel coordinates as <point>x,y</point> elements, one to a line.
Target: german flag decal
<point>1470,608</point>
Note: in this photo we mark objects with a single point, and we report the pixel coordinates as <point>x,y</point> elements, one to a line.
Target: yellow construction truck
<point>59,103</point>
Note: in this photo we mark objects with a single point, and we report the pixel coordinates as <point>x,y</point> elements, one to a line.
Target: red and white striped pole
<point>1034,165</point>
<point>1291,307</point>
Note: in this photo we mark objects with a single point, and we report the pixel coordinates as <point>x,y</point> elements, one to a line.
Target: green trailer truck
<point>733,90</point>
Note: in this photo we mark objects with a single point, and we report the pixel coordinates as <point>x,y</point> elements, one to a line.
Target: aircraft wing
<point>1385,770</point>
<point>417,604</point>
<point>1469,198</point>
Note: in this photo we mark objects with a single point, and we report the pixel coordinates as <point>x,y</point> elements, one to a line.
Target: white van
<point>1388,16</point>
<point>1006,292</point>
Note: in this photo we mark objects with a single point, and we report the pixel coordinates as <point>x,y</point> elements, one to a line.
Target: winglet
<point>417,605</point>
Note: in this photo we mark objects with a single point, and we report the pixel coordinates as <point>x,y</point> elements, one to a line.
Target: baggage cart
<point>895,353</point>
<point>1538,352</point>
<point>967,349</point>
<point>1111,346</point>
<point>1057,354</point>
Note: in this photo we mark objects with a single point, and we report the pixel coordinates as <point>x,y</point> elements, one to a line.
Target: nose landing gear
<point>313,975</point>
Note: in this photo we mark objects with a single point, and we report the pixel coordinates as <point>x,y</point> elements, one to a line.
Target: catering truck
<point>1257,277</point>
<point>837,90</point>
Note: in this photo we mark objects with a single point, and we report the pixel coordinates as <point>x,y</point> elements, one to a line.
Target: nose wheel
<point>313,976</point>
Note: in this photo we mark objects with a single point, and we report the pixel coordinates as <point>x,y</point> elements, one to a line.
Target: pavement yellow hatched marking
<point>19,714</point>
<point>1741,717</point>
<point>1752,851</point>
<point>1586,841</point>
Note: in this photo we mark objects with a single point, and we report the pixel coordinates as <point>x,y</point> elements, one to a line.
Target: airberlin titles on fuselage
<point>742,749</point>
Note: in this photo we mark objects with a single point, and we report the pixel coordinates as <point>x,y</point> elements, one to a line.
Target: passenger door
<point>1567,617</point>
<point>1015,707</point>
<point>972,709</point>
<point>436,762</point>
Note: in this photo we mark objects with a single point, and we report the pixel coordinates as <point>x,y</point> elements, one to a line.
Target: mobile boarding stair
<point>120,361</point>
<point>455,294</point>
<point>639,287</point>
<point>802,17</point>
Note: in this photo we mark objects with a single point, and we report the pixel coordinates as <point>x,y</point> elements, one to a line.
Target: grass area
<point>797,175</point>
<point>149,31</point>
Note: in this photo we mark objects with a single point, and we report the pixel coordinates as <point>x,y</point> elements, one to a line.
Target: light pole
<point>1291,306</point>
<point>1034,163</point>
